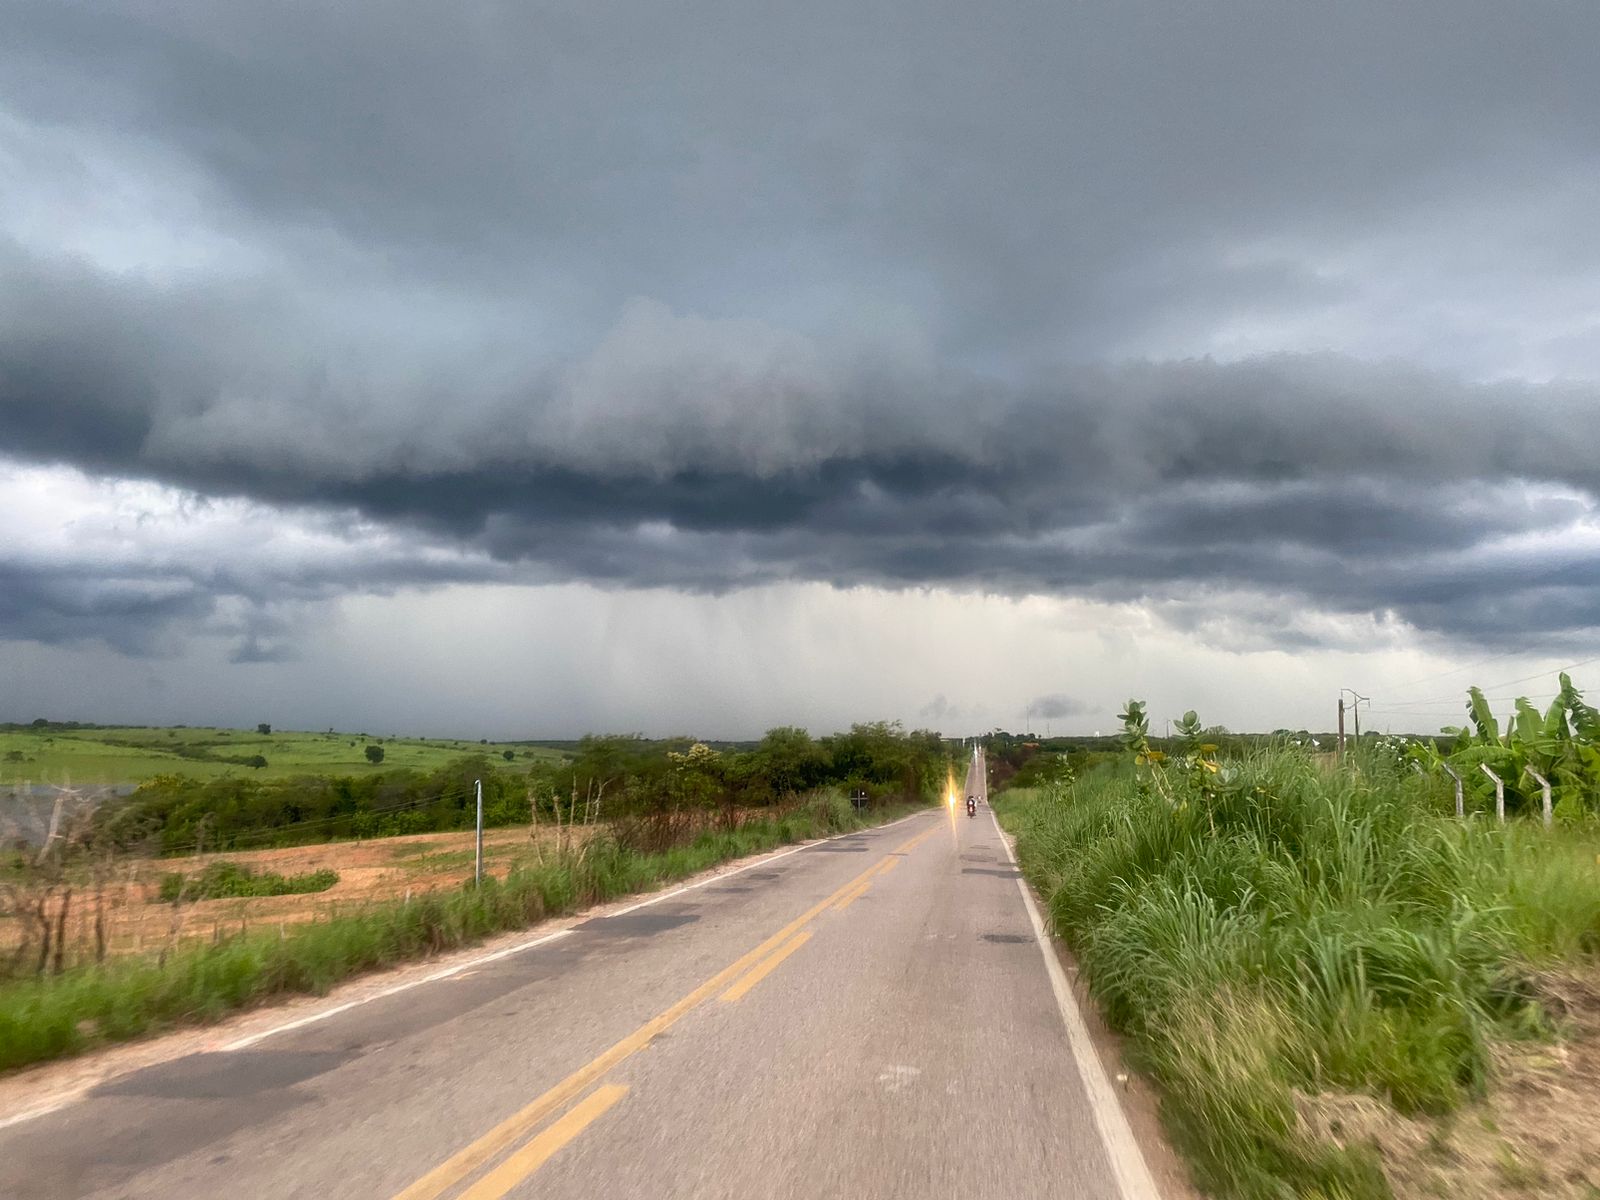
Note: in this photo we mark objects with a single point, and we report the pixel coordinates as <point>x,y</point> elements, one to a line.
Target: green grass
<point>1296,931</point>
<point>225,879</point>
<point>111,756</point>
<point>124,998</point>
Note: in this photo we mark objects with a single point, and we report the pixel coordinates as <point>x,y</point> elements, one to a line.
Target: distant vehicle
<point>972,806</point>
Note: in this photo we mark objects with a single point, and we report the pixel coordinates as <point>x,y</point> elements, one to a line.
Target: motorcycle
<point>972,807</point>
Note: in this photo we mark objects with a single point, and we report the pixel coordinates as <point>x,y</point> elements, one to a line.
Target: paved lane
<point>870,1016</point>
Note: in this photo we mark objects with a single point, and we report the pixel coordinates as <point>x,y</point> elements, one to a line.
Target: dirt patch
<point>379,869</point>
<point>1533,1136</point>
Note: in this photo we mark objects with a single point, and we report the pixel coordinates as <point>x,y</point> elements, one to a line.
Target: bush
<point>1275,928</point>
<point>221,879</point>
<point>374,754</point>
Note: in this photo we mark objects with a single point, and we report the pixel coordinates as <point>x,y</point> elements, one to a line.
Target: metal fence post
<point>1461,808</point>
<point>477,867</point>
<point>1549,816</point>
<point>1499,791</point>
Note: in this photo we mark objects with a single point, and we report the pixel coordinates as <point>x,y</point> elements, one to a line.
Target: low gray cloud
<point>1058,705</point>
<point>1319,478</point>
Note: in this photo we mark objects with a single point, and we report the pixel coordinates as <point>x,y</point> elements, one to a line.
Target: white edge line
<point>760,862</point>
<point>44,1111</point>
<point>447,972</point>
<point>433,977</point>
<point>1132,1173</point>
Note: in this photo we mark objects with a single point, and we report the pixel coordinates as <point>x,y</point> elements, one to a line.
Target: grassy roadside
<point>1278,933</point>
<point>63,1014</point>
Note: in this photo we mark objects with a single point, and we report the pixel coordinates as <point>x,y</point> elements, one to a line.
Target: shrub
<point>1272,928</point>
<point>374,754</point>
<point>223,879</point>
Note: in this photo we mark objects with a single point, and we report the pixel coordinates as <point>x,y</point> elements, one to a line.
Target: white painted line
<point>469,964</point>
<point>433,977</point>
<point>445,973</point>
<point>1134,1180</point>
<point>44,1111</point>
<point>760,862</point>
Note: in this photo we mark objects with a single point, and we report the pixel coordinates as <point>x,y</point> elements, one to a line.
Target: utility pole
<point>1339,757</point>
<point>477,866</point>
<point>1356,701</point>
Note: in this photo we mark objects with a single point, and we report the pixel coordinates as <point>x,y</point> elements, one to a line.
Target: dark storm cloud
<point>1057,705</point>
<point>1358,486</point>
<point>723,296</point>
<point>55,605</point>
<point>1024,170</point>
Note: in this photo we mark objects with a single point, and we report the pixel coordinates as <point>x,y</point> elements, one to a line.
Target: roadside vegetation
<point>219,880</point>
<point>1279,936</point>
<point>51,1015</point>
<point>604,777</point>
<point>621,815</point>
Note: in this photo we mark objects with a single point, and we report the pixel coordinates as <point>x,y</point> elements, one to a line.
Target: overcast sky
<point>519,369</point>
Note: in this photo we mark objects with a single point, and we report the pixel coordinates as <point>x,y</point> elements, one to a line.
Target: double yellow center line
<point>737,978</point>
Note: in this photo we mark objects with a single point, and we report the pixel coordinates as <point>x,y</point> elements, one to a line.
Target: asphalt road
<point>867,1017</point>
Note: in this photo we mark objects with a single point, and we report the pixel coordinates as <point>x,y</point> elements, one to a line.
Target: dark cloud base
<point>1329,482</point>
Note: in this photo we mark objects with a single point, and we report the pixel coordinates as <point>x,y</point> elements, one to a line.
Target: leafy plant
<point>231,879</point>
<point>1562,744</point>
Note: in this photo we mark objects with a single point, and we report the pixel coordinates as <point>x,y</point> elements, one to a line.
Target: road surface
<point>870,1016</point>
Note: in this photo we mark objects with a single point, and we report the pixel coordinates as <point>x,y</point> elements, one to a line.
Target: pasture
<point>113,755</point>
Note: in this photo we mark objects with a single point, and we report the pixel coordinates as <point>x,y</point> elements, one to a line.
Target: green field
<point>108,755</point>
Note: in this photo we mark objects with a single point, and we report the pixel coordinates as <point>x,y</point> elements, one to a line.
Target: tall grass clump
<point>59,1014</point>
<point>1273,928</point>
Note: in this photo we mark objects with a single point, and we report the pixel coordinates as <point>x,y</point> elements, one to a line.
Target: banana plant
<point>1562,744</point>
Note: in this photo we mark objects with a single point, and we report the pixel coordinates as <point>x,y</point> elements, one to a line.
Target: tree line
<point>607,777</point>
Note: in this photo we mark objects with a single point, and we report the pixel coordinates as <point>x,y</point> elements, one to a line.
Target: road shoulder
<point>37,1091</point>
<point>1140,1105</point>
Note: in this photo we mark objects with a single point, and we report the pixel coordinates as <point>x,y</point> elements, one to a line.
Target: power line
<point>1454,670</point>
<point>1462,699</point>
<point>1461,696</point>
<point>1545,674</point>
